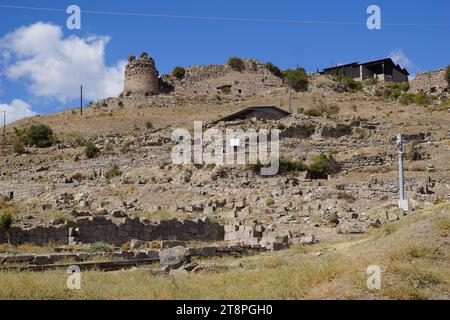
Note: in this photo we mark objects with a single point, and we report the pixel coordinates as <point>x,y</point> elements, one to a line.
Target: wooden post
<point>81,99</point>
<point>4,126</point>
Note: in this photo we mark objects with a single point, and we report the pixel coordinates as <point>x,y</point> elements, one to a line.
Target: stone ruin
<point>101,229</point>
<point>141,77</point>
<point>144,87</point>
<point>221,79</point>
<point>432,82</point>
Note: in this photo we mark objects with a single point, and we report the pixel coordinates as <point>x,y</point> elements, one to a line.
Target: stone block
<point>42,259</point>
<point>172,243</point>
<point>208,251</point>
<point>276,246</point>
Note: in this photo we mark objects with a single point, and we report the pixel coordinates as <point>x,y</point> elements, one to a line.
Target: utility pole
<point>4,126</point>
<point>81,99</point>
<point>402,202</point>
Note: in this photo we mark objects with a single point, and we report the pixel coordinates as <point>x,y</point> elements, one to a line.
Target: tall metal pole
<point>81,99</point>
<point>402,202</point>
<point>4,126</point>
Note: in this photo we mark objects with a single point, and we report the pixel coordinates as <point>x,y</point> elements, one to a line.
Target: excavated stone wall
<point>101,229</point>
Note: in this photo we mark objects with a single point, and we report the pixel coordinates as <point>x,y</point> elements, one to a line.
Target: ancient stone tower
<point>141,76</point>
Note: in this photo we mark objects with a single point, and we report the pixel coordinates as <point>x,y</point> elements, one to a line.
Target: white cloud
<point>399,57</point>
<point>16,110</point>
<point>55,66</point>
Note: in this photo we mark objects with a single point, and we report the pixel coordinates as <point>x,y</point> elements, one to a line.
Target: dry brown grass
<point>283,282</point>
<point>414,264</point>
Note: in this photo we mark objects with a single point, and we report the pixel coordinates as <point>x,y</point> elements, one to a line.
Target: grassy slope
<point>413,254</point>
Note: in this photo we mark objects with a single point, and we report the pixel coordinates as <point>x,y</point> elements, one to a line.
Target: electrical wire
<point>230,19</point>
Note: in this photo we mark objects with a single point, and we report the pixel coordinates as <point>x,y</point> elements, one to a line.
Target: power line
<point>188,17</point>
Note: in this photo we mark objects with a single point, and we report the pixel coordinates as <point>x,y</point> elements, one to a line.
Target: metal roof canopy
<point>236,115</point>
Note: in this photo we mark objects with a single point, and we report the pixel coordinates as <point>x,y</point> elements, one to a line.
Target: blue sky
<point>28,81</point>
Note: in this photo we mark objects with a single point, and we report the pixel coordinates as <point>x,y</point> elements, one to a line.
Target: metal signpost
<point>402,202</point>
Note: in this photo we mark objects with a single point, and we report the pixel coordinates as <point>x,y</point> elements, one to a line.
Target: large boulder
<point>174,257</point>
<point>352,227</point>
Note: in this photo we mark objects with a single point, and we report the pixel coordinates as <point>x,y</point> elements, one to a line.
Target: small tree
<point>91,150</point>
<point>349,82</point>
<point>17,145</point>
<point>297,79</point>
<point>321,166</point>
<point>39,135</point>
<point>179,72</point>
<point>6,220</point>
<point>236,64</point>
<point>274,70</point>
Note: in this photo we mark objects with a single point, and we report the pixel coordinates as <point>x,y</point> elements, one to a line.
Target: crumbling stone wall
<point>366,161</point>
<point>208,79</point>
<point>432,82</point>
<point>143,88</point>
<point>141,77</point>
<point>101,229</point>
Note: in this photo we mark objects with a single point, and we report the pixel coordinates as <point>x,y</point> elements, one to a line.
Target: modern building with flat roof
<point>383,70</point>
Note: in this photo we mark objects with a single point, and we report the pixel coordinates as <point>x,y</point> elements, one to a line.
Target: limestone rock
<point>174,257</point>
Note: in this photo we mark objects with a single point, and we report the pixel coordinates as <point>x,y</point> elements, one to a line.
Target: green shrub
<point>17,145</point>
<point>236,64</point>
<point>350,83</point>
<point>415,154</point>
<point>148,124</point>
<point>292,166</point>
<point>76,139</point>
<point>313,112</point>
<point>274,70</point>
<point>395,94</point>
<point>38,135</point>
<point>91,150</point>
<point>423,99</point>
<point>378,93</point>
<point>179,72</point>
<point>112,173</point>
<point>210,166</point>
<point>297,79</point>
<point>270,202</point>
<point>6,220</point>
<point>407,98</point>
<point>402,86</point>
<point>391,94</point>
<point>447,75</point>
<point>100,247</point>
<point>225,89</point>
<point>371,81</point>
<point>321,166</point>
